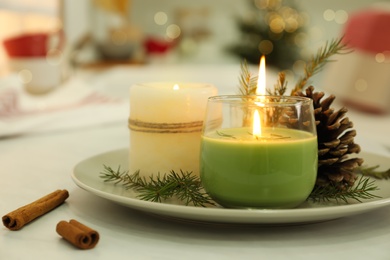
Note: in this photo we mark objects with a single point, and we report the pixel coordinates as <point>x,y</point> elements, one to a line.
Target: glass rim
<point>243,99</point>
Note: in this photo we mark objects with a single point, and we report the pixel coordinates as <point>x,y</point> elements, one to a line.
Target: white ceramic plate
<point>86,175</point>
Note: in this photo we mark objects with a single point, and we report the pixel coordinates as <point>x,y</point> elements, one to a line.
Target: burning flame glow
<point>261,82</point>
<point>260,90</point>
<point>256,124</point>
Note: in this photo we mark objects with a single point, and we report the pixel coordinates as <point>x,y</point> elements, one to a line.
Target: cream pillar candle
<point>165,125</point>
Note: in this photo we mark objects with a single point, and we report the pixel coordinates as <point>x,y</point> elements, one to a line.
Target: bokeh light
<point>173,31</point>
<point>266,47</point>
<point>25,76</point>
<point>300,39</point>
<point>341,16</point>
<point>276,24</point>
<point>160,18</point>
<point>383,57</point>
<point>299,66</point>
<point>270,4</point>
<point>361,85</point>
<point>380,57</point>
<point>329,15</point>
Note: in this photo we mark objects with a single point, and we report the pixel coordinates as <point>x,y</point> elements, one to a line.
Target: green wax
<point>277,171</point>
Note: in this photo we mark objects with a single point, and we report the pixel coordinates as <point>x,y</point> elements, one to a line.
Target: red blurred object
<point>369,30</point>
<point>32,44</point>
<point>155,45</point>
<point>361,79</point>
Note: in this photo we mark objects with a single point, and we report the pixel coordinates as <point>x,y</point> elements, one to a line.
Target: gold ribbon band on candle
<point>147,127</point>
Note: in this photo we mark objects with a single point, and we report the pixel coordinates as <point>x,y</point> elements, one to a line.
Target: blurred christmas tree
<point>273,28</point>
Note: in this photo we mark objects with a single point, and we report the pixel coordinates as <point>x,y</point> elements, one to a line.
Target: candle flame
<point>256,124</point>
<point>176,87</point>
<point>260,90</point>
<point>261,82</point>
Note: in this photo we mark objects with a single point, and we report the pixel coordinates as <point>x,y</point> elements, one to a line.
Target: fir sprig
<point>248,81</point>
<point>280,86</point>
<point>318,61</point>
<point>184,186</point>
<point>188,188</point>
<point>362,190</point>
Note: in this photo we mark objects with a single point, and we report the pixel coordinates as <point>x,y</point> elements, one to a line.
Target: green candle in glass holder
<point>259,151</point>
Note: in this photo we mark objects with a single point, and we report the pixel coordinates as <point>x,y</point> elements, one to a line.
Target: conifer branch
<point>280,87</point>
<point>188,188</point>
<point>184,186</point>
<point>248,81</point>
<point>362,190</point>
<point>319,60</point>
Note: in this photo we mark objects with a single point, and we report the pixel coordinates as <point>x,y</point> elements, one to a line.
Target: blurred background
<point>105,33</point>
<point>182,31</point>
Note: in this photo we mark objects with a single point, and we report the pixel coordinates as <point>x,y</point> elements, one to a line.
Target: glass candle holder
<point>259,151</point>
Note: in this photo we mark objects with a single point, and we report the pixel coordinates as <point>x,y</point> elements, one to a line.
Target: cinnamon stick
<point>78,234</point>
<point>18,218</point>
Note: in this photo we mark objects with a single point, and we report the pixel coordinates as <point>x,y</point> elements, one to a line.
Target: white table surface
<point>33,165</point>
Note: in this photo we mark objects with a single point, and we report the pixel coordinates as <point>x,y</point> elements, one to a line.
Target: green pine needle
<point>248,81</point>
<point>362,190</point>
<point>280,87</point>
<point>184,186</point>
<point>188,188</point>
<point>318,61</point>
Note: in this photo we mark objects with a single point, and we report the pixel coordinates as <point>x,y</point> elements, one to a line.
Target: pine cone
<point>335,142</point>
